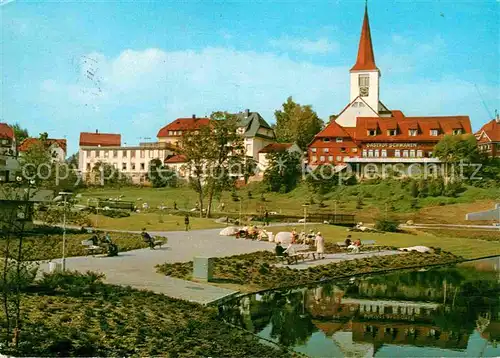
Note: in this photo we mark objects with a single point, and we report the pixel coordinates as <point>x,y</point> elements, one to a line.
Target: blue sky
<point>130,67</point>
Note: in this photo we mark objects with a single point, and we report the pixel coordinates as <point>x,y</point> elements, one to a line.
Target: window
<point>132,154</point>
<point>339,158</point>
<point>313,150</point>
<point>143,154</point>
<point>397,153</point>
<point>151,153</point>
<point>384,153</point>
<point>392,132</point>
<point>88,153</point>
<point>322,158</point>
<point>88,166</point>
<point>326,140</point>
<point>376,152</point>
<point>405,154</point>
<point>106,154</point>
<point>370,153</point>
<point>420,154</point>
<point>364,152</point>
<point>180,132</point>
<point>364,85</point>
<point>343,150</point>
<point>124,154</point>
<point>346,157</point>
<point>325,150</point>
<point>413,132</point>
<point>457,131</point>
<point>97,153</point>
<point>248,148</point>
<point>430,154</point>
<point>132,166</point>
<point>434,132</point>
<point>142,166</point>
<point>314,158</point>
<point>412,153</point>
<point>115,154</point>
<point>124,166</point>
<point>372,132</point>
<point>354,150</point>
<point>339,140</point>
<point>330,158</point>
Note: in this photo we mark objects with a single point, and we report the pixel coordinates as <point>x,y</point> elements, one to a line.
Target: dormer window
<point>413,132</point>
<point>457,131</point>
<point>339,139</point>
<point>372,132</point>
<point>392,132</point>
<point>434,132</point>
<point>326,140</point>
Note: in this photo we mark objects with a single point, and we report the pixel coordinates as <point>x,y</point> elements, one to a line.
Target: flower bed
<point>77,315</point>
<point>258,268</point>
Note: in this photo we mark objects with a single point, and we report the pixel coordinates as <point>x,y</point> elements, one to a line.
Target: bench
<point>91,248</point>
<point>363,243</point>
<point>158,243</point>
<point>291,259</point>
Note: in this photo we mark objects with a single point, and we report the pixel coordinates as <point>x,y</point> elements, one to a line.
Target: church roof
<point>366,58</point>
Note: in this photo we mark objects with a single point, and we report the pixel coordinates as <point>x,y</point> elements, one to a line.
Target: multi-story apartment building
<point>488,138</point>
<point>130,160</point>
<point>366,132</point>
<point>9,164</point>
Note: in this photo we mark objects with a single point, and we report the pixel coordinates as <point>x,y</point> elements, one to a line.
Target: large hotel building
<point>366,131</point>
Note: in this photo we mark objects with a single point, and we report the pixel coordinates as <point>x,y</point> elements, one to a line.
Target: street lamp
<point>64,196</point>
<point>305,216</point>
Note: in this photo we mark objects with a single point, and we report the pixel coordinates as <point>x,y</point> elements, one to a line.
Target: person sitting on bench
<point>148,239</point>
<point>354,247</point>
<point>290,251</point>
<point>348,241</point>
<point>280,251</point>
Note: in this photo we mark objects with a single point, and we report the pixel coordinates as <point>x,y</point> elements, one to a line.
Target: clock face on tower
<point>363,91</point>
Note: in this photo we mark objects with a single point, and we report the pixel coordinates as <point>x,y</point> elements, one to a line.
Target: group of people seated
<point>354,246</point>
<point>318,239</point>
<point>106,242</point>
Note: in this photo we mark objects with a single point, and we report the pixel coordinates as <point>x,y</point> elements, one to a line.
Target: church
<point>366,131</point>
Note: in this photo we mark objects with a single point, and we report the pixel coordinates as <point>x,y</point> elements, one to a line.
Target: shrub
<point>71,283</point>
<point>413,189</point>
<point>386,225</point>
<point>359,202</point>
<point>113,213</point>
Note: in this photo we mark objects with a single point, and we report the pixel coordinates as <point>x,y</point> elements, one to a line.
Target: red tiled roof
<point>445,125</point>
<point>366,58</point>
<point>6,131</point>
<point>275,147</point>
<point>183,124</point>
<point>397,113</point>
<point>179,158</point>
<point>100,139</point>
<point>333,129</point>
<point>28,142</point>
<point>492,130</point>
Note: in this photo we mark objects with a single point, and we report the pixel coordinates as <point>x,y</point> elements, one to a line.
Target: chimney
<point>194,116</point>
<point>247,112</point>
<point>497,116</point>
<point>96,131</point>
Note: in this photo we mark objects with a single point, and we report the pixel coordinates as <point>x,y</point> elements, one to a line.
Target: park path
<point>136,268</point>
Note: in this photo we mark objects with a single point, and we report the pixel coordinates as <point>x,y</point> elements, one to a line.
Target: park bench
<point>363,243</point>
<point>291,259</point>
<point>158,243</point>
<point>91,248</point>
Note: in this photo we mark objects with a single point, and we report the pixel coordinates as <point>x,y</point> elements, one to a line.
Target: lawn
<point>77,315</point>
<point>461,246</point>
<point>376,200</point>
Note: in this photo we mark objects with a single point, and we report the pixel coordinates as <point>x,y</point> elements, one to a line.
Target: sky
<point>132,67</point>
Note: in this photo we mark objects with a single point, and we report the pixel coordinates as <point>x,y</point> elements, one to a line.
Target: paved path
<point>333,258</point>
<point>136,268</point>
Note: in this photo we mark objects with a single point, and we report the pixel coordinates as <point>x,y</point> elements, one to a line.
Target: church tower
<point>364,74</point>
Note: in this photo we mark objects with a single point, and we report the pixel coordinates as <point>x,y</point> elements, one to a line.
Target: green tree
<point>283,172</point>
<point>20,133</point>
<point>161,176</point>
<point>458,152</point>
<point>296,123</point>
<point>107,175</point>
<point>322,179</point>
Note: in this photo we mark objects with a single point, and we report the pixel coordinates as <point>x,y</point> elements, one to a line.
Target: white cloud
<point>320,46</point>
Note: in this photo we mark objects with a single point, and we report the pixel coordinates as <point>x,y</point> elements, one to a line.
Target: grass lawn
<point>46,247</point>
<point>152,222</point>
<point>461,246</point>
<point>376,200</point>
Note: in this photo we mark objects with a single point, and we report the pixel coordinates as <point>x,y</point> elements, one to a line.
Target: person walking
<point>186,222</point>
<point>320,245</point>
<point>266,218</point>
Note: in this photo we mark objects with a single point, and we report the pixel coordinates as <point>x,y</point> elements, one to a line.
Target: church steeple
<point>366,58</point>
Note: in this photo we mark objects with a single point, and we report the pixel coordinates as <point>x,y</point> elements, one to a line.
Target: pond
<point>443,312</point>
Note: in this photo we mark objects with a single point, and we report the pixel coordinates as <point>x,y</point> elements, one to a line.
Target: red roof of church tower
<point>366,58</point>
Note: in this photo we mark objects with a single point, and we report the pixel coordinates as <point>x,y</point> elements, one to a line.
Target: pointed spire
<point>366,58</point>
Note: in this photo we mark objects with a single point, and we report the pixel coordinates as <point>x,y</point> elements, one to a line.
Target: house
<point>172,132</point>
<point>369,136</point>
<point>488,138</point>
<point>132,161</point>
<point>57,147</point>
<point>256,132</point>
<point>9,164</point>
<point>263,161</point>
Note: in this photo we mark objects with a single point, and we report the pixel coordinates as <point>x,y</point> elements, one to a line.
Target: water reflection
<point>453,311</point>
